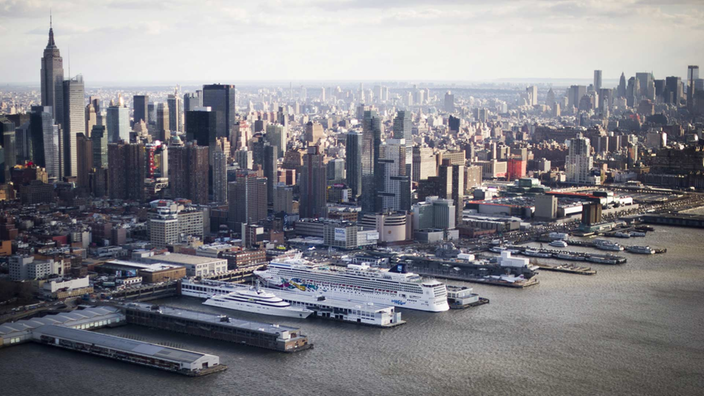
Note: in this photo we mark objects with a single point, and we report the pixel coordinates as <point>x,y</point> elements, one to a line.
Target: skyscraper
<point>221,99</point>
<point>622,86</point>
<point>99,137</point>
<point>201,126</point>
<point>45,141</point>
<point>84,160</point>
<point>314,132</point>
<point>219,175</point>
<point>246,199</point>
<point>270,168</point>
<point>91,118</point>
<point>673,90</point>
<point>191,101</point>
<point>277,135</point>
<point>174,102</point>
<point>449,102</point>
<point>74,122</point>
<point>597,80</point>
<point>7,128</point>
<point>532,92</point>
<point>118,123</point>
<point>313,185</point>
<point>692,77</point>
<point>126,171</point>
<point>578,162</point>
<point>188,172</point>
<point>394,193</point>
<point>353,162</point>
<point>371,178</point>
<point>141,108</point>
<point>52,77</point>
<point>163,122</point>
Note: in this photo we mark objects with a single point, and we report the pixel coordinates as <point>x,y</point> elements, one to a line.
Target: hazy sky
<point>417,40</point>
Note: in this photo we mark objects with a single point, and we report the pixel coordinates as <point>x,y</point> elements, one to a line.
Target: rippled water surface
<point>635,329</point>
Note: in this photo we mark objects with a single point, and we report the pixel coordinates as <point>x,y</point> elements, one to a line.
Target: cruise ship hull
<point>288,312</point>
<point>400,300</point>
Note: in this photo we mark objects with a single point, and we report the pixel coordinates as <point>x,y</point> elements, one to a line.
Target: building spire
<point>51,31</point>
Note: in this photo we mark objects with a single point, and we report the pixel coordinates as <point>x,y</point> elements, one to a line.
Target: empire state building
<point>52,78</point>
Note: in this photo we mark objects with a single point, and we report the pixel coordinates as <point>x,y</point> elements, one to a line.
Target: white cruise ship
<point>359,283</point>
<point>257,301</point>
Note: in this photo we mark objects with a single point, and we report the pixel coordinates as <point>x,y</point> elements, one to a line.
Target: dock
<point>567,268</point>
<point>71,330</point>
<point>219,327</point>
<point>517,284</point>
<point>463,297</point>
<point>181,361</point>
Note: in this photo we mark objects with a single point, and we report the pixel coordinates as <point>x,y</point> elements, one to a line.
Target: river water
<point>635,329</point>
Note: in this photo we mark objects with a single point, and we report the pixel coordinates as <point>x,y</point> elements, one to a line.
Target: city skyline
<point>309,40</point>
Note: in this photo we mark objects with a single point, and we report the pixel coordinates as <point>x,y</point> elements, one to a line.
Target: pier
<point>218,327</point>
<point>179,361</point>
<point>71,330</point>
<point>675,219</point>
<point>567,268</point>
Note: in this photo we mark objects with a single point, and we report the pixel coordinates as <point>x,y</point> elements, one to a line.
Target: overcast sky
<point>416,40</point>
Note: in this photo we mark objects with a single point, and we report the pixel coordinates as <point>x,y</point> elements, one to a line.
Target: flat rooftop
<point>120,344</point>
<point>179,258</point>
<point>268,328</point>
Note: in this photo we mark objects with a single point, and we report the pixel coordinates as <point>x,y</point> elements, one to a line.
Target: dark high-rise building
<point>200,127</point>
<point>371,140</point>
<point>141,108</point>
<point>191,101</point>
<point>84,160</point>
<point>246,199</point>
<point>313,185</point>
<point>126,171</point>
<point>403,127</point>
<point>270,168</point>
<point>45,141</point>
<point>74,122</point>
<point>221,99</point>
<point>219,179</point>
<point>52,79</point>
<point>7,128</point>
<point>99,138</point>
<point>450,185</point>
<point>692,77</point>
<point>673,90</point>
<point>453,124</point>
<point>188,172</point>
<point>174,102</point>
<point>353,162</point>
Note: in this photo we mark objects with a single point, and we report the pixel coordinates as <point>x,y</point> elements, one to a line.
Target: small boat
<point>640,249</point>
<point>536,253</point>
<point>620,234</point>
<point>637,234</point>
<point>558,243</point>
<point>603,244</point>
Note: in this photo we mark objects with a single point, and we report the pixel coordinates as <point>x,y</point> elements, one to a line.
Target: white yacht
<point>603,244</point>
<point>558,243</point>
<point>257,301</point>
<point>360,283</point>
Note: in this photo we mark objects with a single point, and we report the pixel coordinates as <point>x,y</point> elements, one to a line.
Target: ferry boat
<point>603,244</point>
<point>357,282</point>
<point>536,253</point>
<point>558,243</point>
<point>257,301</point>
<point>641,249</point>
<point>569,256</point>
